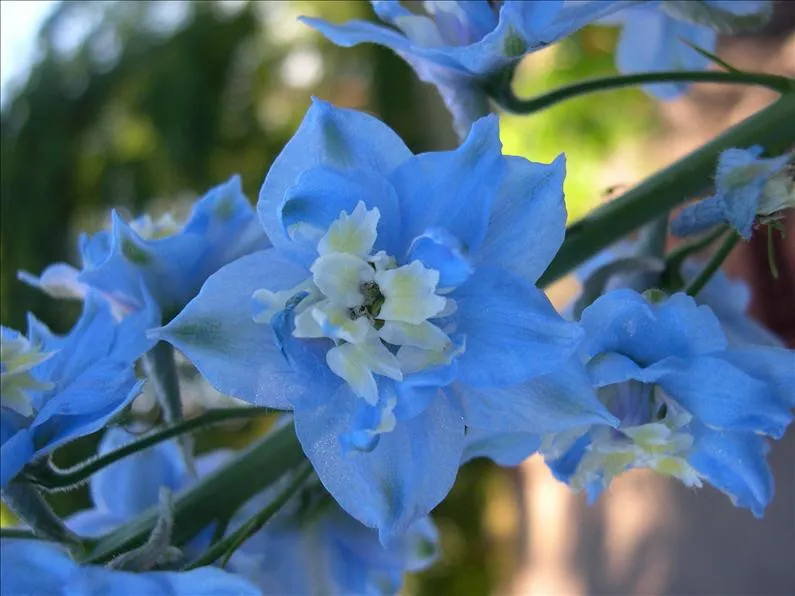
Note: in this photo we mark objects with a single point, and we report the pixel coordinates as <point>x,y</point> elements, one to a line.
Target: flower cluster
<point>389,304</point>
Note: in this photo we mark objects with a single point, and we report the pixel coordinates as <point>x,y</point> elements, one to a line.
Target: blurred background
<point>145,105</point>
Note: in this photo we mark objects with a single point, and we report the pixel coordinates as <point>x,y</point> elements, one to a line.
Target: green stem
<point>713,265</point>
<point>29,505</point>
<point>771,127</point>
<point>508,100</point>
<point>672,278</point>
<point>215,495</point>
<point>52,478</point>
<point>18,534</point>
<point>226,547</point>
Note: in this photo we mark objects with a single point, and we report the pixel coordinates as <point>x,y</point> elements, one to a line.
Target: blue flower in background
<point>690,406</point>
<point>728,298</point>
<point>130,486</point>
<point>161,257</point>
<point>313,547</point>
<point>459,45</point>
<point>397,305</point>
<point>36,567</point>
<point>655,35</point>
<point>56,389</point>
<point>746,187</point>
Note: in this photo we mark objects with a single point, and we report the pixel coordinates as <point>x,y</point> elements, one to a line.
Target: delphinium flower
<point>56,389</point>
<point>690,406</point>
<point>164,258</point>
<point>313,547</point>
<point>460,45</point>
<point>660,35</point>
<point>37,567</point>
<point>747,190</point>
<point>398,296</point>
<point>130,486</point>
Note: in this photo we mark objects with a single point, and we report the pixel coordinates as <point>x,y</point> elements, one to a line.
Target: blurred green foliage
<point>145,105</point>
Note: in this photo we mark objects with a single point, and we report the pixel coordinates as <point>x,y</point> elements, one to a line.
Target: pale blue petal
<point>34,567</point>
<point>16,448</point>
<point>216,331</point>
<point>228,228</point>
<point>623,321</point>
<point>117,276</point>
<point>85,406</point>
<point>58,280</point>
<point>564,467</point>
<point>89,341</point>
<point>512,331</point>
<point>772,365</point>
<point>439,250</point>
<point>407,474</point>
<point>652,41</point>
<point>698,217</point>
<point>130,486</point>
<point>338,138</point>
<point>320,194</point>
<point>551,403</point>
<point>505,449</point>
<point>721,395</point>
<point>735,464</point>
<point>528,218</point>
<point>93,523</point>
<point>453,190</point>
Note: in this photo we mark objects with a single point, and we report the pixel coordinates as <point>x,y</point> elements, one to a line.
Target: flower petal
<point>405,476</point>
<point>652,41</point>
<point>217,333</point>
<point>722,395</point>
<point>131,486</point>
<point>453,190</point>
<point>528,218</point>
<point>340,139</point>
<point>735,463</point>
<point>505,449</point>
<point>512,331</point>
<point>551,403</point>
<point>623,321</point>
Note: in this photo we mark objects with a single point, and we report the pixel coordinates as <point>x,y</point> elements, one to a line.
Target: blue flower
<point>458,46</point>
<point>168,260</point>
<point>398,300</point>
<point>132,485</point>
<point>313,547</point>
<point>746,187</point>
<point>56,389</point>
<point>36,567</point>
<point>690,406</point>
<point>655,35</point>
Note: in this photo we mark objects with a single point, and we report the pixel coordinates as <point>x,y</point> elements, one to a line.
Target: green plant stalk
<point>771,127</point>
<point>226,547</point>
<point>713,265</point>
<point>54,479</point>
<point>214,496</point>
<point>504,95</point>
<point>672,279</point>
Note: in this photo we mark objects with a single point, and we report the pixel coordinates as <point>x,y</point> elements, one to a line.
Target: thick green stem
<point>55,479</point>
<point>772,128</point>
<point>226,547</point>
<point>215,495</point>
<point>713,265</point>
<point>505,97</point>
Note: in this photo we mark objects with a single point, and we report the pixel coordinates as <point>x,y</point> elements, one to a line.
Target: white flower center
<point>17,357</point>
<point>377,314</point>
